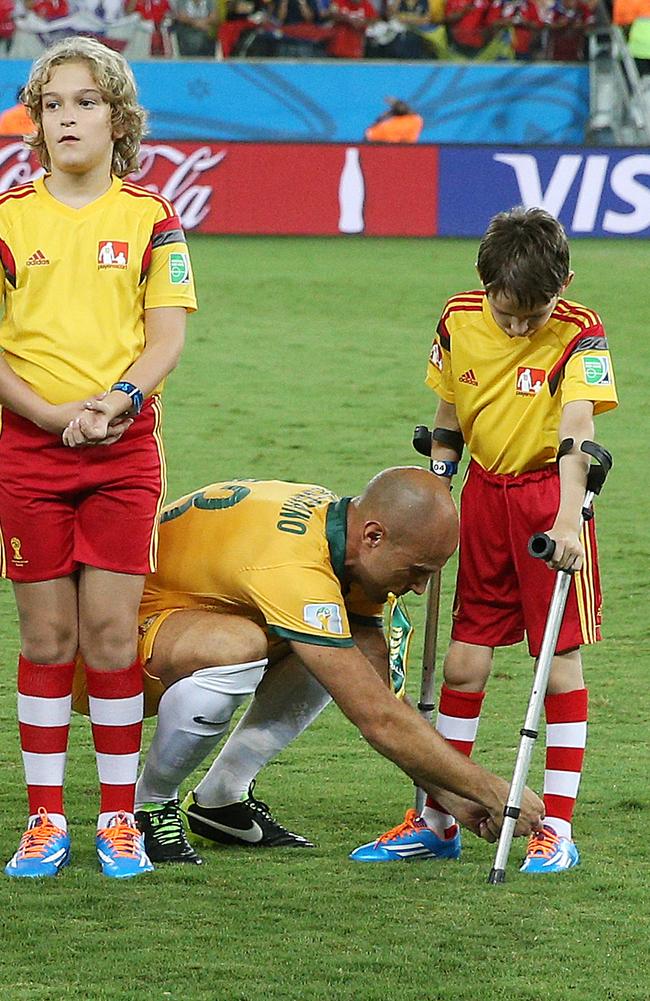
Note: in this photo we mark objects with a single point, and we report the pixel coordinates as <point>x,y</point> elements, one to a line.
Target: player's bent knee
<point>467,667</point>
<point>54,643</point>
<point>232,679</point>
<point>189,639</point>
<point>247,637</point>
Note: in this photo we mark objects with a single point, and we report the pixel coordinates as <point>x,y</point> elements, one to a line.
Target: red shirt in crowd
<point>469,30</point>
<point>348,38</point>
<point>566,39</point>
<point>49,10</point>
<point>6,18</point>
<point>152,10</point>
<point>518,14</point>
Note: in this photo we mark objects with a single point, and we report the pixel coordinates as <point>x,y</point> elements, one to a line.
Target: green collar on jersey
<point>336,532</point>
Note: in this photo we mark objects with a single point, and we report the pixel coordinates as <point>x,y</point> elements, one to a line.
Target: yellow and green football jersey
<point>271,551</point>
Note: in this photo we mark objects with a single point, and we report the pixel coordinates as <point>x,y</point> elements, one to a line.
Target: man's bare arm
<point>397,732</point>
<point>372,643</point>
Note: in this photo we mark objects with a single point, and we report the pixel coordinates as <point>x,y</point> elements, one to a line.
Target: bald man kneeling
<point>278,589</point>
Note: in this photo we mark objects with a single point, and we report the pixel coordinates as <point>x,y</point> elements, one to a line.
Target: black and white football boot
<point>162,828</point>
<point>248,822</point>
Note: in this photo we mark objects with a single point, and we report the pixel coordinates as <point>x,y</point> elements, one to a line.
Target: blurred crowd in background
<point>488,30</point>
<point>458,30</point>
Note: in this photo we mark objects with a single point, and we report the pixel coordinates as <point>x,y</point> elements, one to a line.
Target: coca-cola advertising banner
<point>315,189</point>
<point>283,188</point>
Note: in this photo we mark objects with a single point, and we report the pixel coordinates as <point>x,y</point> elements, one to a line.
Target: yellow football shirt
<point>76,283</point>
<point>509,391</point>
<point>271,551</point>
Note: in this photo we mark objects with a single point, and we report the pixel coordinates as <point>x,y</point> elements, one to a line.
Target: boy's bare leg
<point>466,671</point>
<point>47,612</point>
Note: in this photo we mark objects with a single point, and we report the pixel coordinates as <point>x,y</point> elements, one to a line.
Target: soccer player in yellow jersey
<point>518,369</point>
<point>256,573</point>
<point>96,285</point>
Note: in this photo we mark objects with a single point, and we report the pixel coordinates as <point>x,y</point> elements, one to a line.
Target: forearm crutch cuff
<point>449,438</point>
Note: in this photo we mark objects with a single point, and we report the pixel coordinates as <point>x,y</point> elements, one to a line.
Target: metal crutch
<point>542,547</point>
<point>426,703</point>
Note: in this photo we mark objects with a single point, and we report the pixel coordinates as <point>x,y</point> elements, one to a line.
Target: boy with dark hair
<point>518,369</point>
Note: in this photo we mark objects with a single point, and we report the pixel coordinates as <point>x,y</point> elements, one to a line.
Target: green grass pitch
<point>306,362</point>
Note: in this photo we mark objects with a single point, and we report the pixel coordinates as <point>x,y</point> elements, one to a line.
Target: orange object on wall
<point>16,121</point>
<point>396,129</point>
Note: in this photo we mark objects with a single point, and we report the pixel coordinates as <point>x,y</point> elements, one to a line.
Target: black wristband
<point>133,393</point>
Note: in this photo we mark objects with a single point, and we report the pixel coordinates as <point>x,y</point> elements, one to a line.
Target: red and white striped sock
<point>458,718</point>
<point>116,704</point>
<point>566,739</point>
<point>44,707</point>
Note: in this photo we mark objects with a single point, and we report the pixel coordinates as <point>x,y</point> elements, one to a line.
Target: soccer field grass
<point>306,362</point>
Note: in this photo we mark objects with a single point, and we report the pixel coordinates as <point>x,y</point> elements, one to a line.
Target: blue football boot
<point>547,852</point>
<point>43,849</point>
<point>411,839</point>
<point>120,848</point>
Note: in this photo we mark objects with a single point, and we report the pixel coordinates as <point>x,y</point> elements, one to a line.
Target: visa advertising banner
<point>594,192</point>
<point>334,189</point>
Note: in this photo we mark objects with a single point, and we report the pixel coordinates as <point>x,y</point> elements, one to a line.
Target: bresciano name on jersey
<point>271,551</point>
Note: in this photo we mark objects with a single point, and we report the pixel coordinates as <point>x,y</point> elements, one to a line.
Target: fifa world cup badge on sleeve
<point>324,616</point>
<point>400,632</point>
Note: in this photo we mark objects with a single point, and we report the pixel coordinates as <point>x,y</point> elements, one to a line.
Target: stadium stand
<point>458,30</point>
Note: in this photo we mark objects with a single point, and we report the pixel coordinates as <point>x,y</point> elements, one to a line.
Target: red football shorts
<point>96,505</point>
<point>501,591</point>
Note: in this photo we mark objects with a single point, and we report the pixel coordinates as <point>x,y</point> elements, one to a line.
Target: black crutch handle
<point>597,473</point>
<point>422,440</point>
<point>541,546</point>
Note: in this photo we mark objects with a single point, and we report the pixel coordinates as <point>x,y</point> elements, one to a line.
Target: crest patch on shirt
<point>596,369</point>
<point>436,355</point>
<point>530,380</point>
<point>112,254</point>
<point>323,616</point>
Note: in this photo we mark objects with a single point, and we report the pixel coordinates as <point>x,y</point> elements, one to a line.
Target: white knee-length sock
<point>287,701</point>
<point>193,715</point>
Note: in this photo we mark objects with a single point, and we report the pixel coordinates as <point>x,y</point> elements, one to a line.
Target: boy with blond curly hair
<point>96,285</point>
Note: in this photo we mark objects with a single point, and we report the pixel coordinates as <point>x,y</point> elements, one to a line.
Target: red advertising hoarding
<point>281,188</point>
